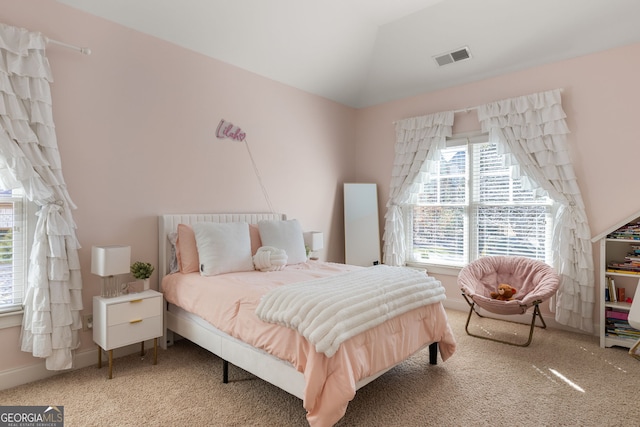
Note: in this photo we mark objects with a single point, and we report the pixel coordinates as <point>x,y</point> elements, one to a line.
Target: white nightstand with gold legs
<point>125,320</point>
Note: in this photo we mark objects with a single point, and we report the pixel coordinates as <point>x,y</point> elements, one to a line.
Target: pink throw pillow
<point>254,234</point>
<point>187,250</point>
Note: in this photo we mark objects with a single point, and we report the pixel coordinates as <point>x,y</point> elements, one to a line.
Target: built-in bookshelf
<point>618,281</point>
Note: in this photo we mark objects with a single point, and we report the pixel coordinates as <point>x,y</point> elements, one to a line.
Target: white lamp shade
<point>314,240</point>
<point>110,260</point>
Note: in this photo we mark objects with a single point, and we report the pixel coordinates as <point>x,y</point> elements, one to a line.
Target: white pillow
<point>286,235</point>
<point>223,247</point>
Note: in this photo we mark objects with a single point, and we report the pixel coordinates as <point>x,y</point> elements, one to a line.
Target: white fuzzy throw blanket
<point>330,310</point>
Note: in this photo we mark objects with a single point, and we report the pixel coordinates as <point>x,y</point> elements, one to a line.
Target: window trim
<point>468,139</point>
<point>12,317</point>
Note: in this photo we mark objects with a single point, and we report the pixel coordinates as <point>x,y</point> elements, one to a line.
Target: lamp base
<point>110,287</point>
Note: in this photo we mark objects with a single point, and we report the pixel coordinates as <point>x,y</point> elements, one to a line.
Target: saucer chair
<point>534,281</point>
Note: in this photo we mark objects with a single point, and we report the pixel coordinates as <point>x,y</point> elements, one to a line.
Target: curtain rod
<point>462,110</point>
<point>466,110</point>
<point>82,50</point>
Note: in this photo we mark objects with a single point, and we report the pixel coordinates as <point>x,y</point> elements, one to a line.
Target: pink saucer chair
<point>534,281</point>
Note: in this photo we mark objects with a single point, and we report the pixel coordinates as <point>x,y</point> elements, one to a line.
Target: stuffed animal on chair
<point>505,292</point>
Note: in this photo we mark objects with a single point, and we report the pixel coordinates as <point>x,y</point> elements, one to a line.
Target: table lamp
<point>108,262</point>
<point>314,241</point>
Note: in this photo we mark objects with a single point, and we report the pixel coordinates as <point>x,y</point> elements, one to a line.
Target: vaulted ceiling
<point>366,52</point>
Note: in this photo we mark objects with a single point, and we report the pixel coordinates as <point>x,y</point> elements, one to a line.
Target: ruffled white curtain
<point>418,140</point>
<point>29,159</point>
<point>532,129</point>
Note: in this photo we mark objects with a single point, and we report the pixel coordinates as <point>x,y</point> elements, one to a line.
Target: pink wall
<point>600,97</point>
<point>136,124</point>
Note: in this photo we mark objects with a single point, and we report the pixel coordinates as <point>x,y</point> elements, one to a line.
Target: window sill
<point>11,319</point>
<point>447,270</point>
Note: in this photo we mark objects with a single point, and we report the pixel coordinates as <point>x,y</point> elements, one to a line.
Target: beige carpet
<point>483,384</point>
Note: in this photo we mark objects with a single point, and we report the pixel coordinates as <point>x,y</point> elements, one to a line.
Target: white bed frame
<point>256,361</point>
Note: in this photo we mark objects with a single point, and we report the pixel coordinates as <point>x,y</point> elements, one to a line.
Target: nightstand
<point>125,320</point>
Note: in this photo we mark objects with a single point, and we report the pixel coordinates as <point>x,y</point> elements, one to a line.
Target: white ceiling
<point>366,52</point>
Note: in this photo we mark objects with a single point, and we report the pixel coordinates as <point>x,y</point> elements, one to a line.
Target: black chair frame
<point>536,314</point>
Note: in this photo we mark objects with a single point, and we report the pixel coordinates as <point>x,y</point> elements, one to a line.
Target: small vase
<point>145,284</point>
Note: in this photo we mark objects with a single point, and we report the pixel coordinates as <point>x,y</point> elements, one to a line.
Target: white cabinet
<point>127,319</point>
<point>613,328</point>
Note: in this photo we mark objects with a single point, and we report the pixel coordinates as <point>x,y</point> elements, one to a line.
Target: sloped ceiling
<point>366,52</point>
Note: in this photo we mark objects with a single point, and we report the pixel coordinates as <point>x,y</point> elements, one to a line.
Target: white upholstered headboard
<point>168,223</point>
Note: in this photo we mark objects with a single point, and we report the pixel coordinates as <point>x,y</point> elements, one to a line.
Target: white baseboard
<point>26,374</point>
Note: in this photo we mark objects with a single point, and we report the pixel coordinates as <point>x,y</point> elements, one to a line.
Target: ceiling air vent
<point>454,56</point>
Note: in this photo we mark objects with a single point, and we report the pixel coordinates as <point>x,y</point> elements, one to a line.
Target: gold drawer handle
<point>135,300</point>
<point>135,321</point>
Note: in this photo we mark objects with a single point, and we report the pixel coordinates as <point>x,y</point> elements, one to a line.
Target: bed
<point>325,384</point>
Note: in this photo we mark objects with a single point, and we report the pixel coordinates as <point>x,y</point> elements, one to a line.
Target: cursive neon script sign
<point>228,130</point>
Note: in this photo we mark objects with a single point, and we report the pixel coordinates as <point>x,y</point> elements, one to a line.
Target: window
<point>474,206</point>
<point>13,250</point>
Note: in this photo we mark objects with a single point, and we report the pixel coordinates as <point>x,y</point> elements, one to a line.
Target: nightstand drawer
<point>134,310</point>
<point>134,331</point>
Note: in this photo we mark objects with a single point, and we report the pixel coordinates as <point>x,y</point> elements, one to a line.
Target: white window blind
<point>440,220</point>
<point>13,250</point>
<point>474,206</point>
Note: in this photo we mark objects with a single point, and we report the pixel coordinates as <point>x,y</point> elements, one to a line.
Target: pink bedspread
<point>229,301</point>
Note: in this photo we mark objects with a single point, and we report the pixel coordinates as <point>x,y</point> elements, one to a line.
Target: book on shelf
<point>629,231</point>
<point>621,329</point>
<point>624,265</point>
<point>622,271</point>
<point>627,332</point>
<point>615,314</point>
<point>613,296</point>
<point>621,295</point>
<point>630,340</point>
<point>624,236</point>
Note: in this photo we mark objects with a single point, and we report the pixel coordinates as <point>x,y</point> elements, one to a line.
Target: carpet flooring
<point>561,379</point>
